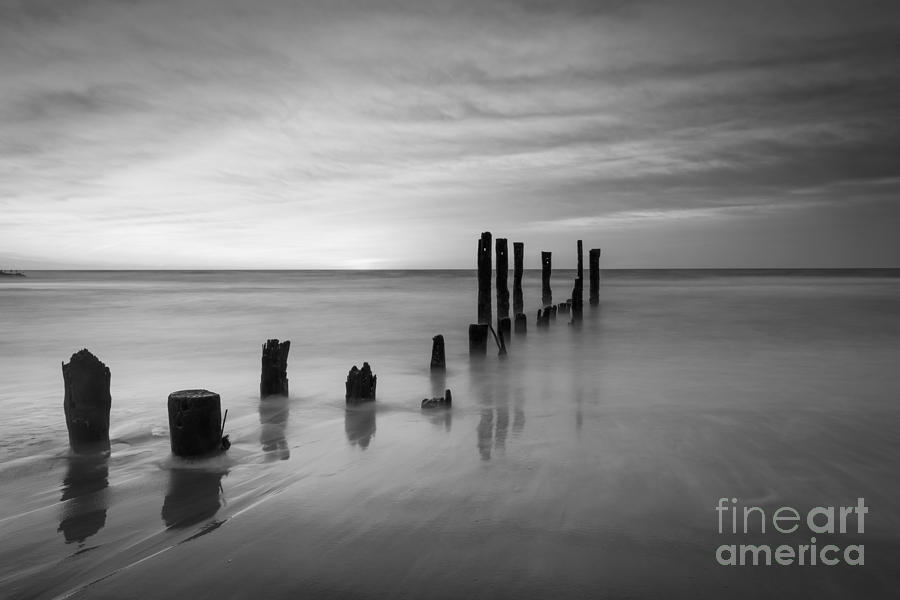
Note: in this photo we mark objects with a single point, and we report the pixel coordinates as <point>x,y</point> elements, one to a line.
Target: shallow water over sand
<point>586,463</point>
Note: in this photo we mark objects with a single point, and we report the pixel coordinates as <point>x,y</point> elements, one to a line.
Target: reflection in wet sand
<point>85,494</point>
<point>194,495</point>
<point>273,416</point>
<point>359,423</point>
<point>442,417</point>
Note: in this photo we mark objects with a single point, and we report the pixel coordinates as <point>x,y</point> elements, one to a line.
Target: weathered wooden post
<point>361,384</point>
<point>273,379</point>
<point>577,297</point>
<point>521,323</point>
<point>87,402</point>
<point>195,422</point>
<point>594,265</point>
<point>438,359</point>
<point>518,269</point>
<point>502,280</point>
<point>552,310</point>
<point>546,295</point>
<point>478,336</point>
<point>484,278</point>
<point>580,260</point>
<point>504,328</point>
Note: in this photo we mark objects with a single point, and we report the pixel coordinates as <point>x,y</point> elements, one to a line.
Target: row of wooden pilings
<point>196,423</point>
<point>478,332</point>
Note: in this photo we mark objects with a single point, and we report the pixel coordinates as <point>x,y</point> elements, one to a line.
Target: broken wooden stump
<point>484,278</point>
<point>438,358</point>
<point>441,402</point>
<point>195,422</point>
<point>502,280</point>
<point>563,307</point>
<point>505,328</point>
<point>273,379</point>
<point>518,268</point>
<point>546,267</point>
<point>543,317</point>
<point>361,384</point>
<point>478,337</point>
<point>521,323</point>
<point>552,311</point>
<point>87,402</point>
<point>594,266</point>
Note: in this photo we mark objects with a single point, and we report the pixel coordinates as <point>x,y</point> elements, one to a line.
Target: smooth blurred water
<point>585,463</point>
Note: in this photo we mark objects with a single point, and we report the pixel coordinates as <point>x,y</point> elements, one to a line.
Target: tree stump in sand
<point>195,422</point>
<point>438,358</point>
<point>273,380</point>
<point>521,323</point>
<point>87,402</point>
<point>361,384</point>
<point>478,338</point>
<point>444,402</point>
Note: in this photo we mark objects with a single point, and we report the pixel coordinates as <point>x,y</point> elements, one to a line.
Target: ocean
<point>586,463</point>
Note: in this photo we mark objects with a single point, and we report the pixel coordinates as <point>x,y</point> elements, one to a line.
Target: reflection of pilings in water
<point>273,416</point>
<point>85,494</point>
<point>485,433</point>
<point>518,424</point>
<point>194,495</point>
<point>359,423</point>
<point>502,410</point>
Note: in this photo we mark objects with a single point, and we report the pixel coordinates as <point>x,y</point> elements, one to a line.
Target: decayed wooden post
<point>504,328</point>
<point>445,401</point>
<point>577,298</point>
<point>484,278</point>
<point>546,264</point>
<point>518,268</point>
<point>87,402</point>
<point>502,280</point>
<point>594,265</point>
<point>195,422</point>
<point>580,260</point>
<point>361,384</point>
<point>438,359</point>
<point>521,323</point>
<point>273,379</point>
<point>478,337</point>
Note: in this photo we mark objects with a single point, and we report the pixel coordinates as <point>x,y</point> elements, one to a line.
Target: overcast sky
<point>390,133</point>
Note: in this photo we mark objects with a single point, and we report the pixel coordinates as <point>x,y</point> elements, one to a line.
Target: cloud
<point>195,133</point>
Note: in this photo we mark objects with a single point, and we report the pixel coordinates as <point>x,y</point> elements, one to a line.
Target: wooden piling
<point>546,266</point>
<point>273,379</point>
<point>478,337</point>
<point>502,280</point>
<point>577,298</point>
<point>87,402</point>
<point>594,266</point>
<point>518,268</point>
<point>195,422</point>
<point>580,260</point>
<point>438,358</point>
<point>504,328</point>
<point>484,278</point>
<point>360,384</point>
<point>520,326</point>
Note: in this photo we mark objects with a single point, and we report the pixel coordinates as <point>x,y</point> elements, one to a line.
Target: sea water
<point>585,463</point>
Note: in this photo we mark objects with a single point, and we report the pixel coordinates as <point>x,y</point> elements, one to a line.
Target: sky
<point>390,133</point>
